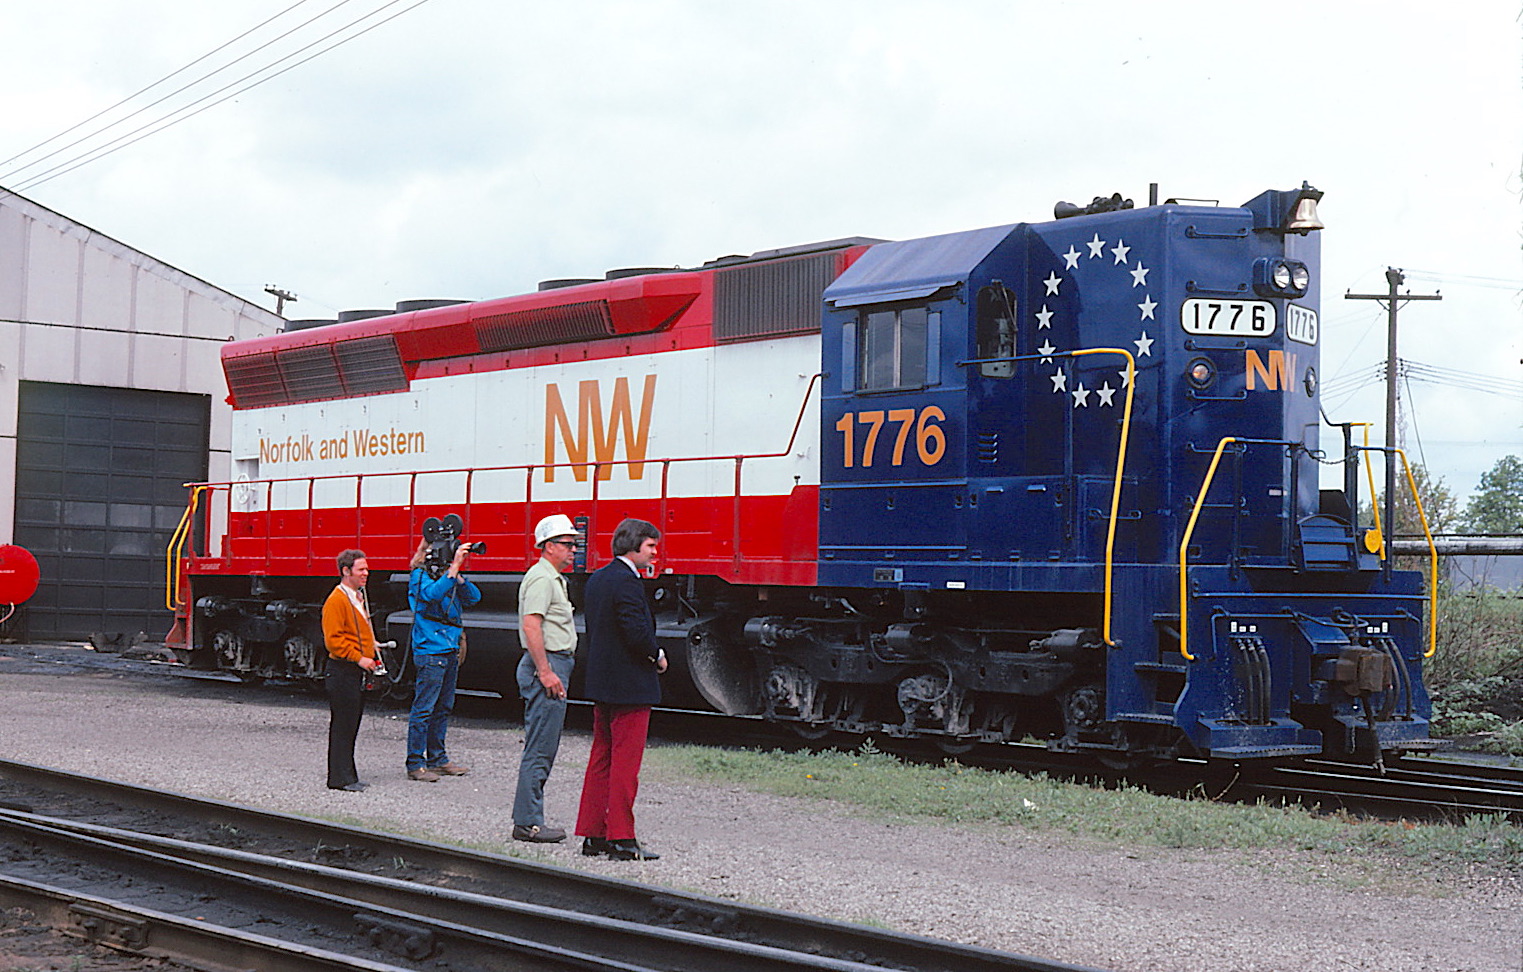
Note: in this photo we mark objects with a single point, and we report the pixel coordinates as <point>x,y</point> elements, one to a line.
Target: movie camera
<point>443,539</point>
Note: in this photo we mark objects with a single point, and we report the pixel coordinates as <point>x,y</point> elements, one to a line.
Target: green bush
<point>1507,740</point>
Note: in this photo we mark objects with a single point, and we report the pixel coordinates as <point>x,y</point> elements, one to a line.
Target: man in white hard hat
<point>548,635</point>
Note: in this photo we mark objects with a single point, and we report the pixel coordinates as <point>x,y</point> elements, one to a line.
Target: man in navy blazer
<point>623,663</point>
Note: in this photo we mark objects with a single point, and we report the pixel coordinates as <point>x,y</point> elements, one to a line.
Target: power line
<point>100,152</point>
<point>1469,280</point>
<point>150,87</point>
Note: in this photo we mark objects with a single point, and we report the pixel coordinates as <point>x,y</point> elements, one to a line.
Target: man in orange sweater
<point>352,651</point>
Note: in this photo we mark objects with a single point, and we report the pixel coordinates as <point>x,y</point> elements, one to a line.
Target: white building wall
<point>78,307</point>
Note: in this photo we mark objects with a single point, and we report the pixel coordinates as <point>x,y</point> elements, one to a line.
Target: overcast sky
<point>470,148</point>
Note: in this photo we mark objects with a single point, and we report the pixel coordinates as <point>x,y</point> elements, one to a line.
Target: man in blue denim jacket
<point>437,646</point>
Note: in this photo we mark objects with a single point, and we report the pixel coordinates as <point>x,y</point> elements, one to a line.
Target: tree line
<point>1496,506</point>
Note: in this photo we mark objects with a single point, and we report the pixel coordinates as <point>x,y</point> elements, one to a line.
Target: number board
<point>1227,318</point>
<point>1301,324</point>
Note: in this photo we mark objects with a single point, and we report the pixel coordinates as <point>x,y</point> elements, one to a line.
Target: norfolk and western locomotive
<point>1056,479</point>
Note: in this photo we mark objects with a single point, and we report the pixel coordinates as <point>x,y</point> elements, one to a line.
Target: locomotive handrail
<point>1422,517</point>
<point>174,552</point>
<point>1184,543</point>
<point>529,469</point>
<point>1369,473</point>
<point>1126,426</point>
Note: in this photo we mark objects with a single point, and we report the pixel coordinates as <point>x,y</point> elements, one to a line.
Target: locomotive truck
<point>1058,479</point>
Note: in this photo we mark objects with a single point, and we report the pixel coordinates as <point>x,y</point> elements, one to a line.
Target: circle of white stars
<point>1105,395</point>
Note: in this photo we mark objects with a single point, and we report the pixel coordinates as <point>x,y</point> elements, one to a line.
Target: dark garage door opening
<point>100,476</point>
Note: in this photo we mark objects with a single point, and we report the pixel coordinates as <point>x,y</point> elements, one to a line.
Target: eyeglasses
<point>565,543</point>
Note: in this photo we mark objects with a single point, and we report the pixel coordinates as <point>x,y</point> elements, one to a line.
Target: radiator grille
<point>774,298</point>
<point>310,373</point>
<point>359,367</point>
<point>546,325</point>
<point>369,365</point>
<point>255,380</point>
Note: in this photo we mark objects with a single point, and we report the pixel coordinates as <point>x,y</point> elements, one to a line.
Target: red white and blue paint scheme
<point>1056,479</point>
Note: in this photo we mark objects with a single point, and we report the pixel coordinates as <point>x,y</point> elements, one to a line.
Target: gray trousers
<point>543,719</point>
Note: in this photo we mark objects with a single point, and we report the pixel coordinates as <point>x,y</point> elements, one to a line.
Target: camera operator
<point>438,599</point>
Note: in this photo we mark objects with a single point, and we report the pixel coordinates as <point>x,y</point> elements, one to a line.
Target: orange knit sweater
<point>346,630</point>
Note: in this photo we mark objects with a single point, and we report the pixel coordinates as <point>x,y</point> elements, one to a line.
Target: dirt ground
<point>1000,887</point>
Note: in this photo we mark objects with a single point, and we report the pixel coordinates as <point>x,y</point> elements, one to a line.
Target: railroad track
<point>337,897</point>
<point>1413,786</point>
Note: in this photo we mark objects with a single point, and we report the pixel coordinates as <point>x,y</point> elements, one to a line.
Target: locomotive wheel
<point>955,745</point>
<point>811,731</point>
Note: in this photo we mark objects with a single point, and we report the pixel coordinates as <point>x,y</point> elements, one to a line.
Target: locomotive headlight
<point>1276,277</point>
<point>1201,372</point>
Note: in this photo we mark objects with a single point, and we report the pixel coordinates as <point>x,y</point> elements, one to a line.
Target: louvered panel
<point>254,380</point>
<point>369,365</point>
<point>766,299</point>
<point>546,325</point>
<point>310,373</point>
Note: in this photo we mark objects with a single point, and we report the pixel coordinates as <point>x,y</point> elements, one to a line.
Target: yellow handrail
<point>1432,558</point>
<point>1126,426</point>
<point>174,552</point>
<point>1369,475</point>
<point>1184,545</point>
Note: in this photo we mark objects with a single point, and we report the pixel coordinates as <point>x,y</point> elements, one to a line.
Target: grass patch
<point>1128,816</point>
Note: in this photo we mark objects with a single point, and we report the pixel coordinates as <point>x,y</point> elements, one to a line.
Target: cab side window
<point>898,348</point>
<point>995,330</point>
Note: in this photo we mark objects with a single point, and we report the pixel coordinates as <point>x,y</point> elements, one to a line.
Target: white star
<point>1046,351</point>
<point>1125,377</point>
<point>1081,396</point>
<point>1096,246</point>
<point>1147,307</point>
<point>1071,258</point>
<point>1106,393</point>
<point>1144,346</point>
<point>1059,381</point>
<point>1043,318</point>
<point>1140,275</point>
<point>1121,250</point>
<point>1052,282</point>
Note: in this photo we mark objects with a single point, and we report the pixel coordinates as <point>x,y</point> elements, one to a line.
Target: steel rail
<point>355,925</point>
<point>555,887</point>
<point>436,926</point>
<point>141,931</point>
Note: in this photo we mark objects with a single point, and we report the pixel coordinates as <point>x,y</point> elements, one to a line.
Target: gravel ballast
<point>1000,887</point>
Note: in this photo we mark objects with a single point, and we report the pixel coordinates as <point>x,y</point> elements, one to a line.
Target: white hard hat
<point>553,527</point>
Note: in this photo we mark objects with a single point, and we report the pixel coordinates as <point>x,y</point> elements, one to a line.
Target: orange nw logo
<point>591,430</point>
<point>1276,374</point>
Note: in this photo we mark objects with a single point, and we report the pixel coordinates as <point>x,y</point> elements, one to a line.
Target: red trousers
<point>613,772</point>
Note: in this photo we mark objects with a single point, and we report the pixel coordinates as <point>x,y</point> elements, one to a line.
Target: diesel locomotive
<point>1059,479</point>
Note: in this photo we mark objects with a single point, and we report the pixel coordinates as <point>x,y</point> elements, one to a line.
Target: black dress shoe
<point>535,834</point>
<point>356,787</point>
<point>630,850</point>
<point>594,847</point>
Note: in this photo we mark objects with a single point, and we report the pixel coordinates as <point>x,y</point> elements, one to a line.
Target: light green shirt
<point>543,592</point>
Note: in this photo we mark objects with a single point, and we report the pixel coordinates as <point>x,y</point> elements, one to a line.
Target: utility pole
<point>281,296</point>
<point>1392,300</point>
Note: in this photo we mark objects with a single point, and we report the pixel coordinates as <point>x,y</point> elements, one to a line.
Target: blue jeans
<point>433,699</point>
<point>543,719</point>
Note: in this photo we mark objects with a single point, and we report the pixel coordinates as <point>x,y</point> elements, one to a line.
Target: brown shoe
<point>451,769</point>
<point>423,775</point>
